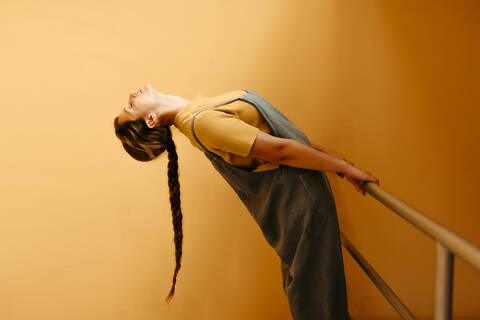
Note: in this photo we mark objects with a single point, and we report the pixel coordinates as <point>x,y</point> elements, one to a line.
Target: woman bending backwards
<point>274,169</point>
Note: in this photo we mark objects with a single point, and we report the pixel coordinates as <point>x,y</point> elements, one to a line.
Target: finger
<point>370,178</point>
<point>375,179</point>
<point>355,184</point>
<point>359,184</point>
<point>361,189</point>
<point>352,181</point>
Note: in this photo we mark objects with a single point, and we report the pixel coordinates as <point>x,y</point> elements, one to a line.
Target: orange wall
<point>86,231</point>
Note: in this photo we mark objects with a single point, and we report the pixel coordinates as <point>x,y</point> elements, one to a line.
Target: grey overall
<point>295,209</point>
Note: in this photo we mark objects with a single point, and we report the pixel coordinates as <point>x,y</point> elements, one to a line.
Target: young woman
<point>275,170</point>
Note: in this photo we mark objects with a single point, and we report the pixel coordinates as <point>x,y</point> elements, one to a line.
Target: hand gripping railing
<point>448,245</point>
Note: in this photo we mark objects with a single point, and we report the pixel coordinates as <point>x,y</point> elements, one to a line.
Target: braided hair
<point>145,144</point>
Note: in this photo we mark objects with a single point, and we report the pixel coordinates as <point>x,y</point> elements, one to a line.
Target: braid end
<point>170,294</point>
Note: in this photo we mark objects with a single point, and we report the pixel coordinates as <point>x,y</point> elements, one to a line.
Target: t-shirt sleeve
<point>226,132</point>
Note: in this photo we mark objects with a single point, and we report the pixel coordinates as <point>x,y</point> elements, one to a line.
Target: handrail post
<point>443,283</point>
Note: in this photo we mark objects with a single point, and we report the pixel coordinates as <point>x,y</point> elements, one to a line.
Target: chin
<point>148,86</point>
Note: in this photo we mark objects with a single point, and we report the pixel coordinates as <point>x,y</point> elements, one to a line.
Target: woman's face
<point>140,103</point>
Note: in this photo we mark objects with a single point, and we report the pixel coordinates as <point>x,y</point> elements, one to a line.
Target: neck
<point>169,108</point>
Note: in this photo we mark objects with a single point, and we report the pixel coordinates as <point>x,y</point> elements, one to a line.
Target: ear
<point>152,120</point>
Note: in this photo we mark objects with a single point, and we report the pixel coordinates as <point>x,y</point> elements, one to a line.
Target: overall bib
<point>295,209</point>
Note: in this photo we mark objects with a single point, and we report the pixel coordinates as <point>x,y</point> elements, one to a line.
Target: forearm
<point>297,154</point>
<point>322,149</point>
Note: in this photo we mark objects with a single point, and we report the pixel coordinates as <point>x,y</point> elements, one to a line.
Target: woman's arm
<point>319,148</point>
<point>322,149</point>
<point>294,153</point>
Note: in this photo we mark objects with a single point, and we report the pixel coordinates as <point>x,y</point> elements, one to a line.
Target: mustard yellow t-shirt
<point>228,130</point>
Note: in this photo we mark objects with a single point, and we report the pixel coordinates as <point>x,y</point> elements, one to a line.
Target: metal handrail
<point>457,245</point>
<point>377,280</point>
<point>448,245</point>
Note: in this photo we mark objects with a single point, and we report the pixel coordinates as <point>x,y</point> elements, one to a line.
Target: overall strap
<point>220,104</point>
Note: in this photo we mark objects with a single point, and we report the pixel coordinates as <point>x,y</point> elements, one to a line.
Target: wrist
<point>343,166</point>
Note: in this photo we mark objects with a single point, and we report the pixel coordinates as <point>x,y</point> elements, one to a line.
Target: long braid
<point>174,189</point>
<point>145,144</point>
